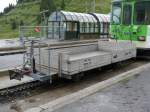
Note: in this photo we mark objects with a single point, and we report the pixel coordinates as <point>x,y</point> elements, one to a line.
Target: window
<point>71,26</point>
<point>142,13</point>
<point>91,27</point>
<point>127,14</point>
<point>116,13</point>
<point>96,28</point>
<point>68,26</point>
<point>82,27</point>
<point>86,27</point>
<point>101,27</point>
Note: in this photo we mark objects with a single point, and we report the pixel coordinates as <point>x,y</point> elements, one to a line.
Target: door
<point>126,26</point>
<point>116,14</point>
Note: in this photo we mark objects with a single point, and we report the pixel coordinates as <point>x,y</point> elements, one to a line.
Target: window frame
<point>125,20</point>
<point>135,14</point>
<point>112,13</point>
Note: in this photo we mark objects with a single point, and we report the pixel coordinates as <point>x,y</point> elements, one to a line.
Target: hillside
<point>102,6</point>
<point>27,14</point>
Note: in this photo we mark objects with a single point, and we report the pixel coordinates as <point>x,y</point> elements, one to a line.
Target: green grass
<point>102,6</point>
<point>28,13</point>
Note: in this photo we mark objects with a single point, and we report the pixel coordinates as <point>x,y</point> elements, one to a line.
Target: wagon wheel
<point>77,77</point>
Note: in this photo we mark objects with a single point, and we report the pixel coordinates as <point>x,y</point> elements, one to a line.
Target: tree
<point>63,5</point>
<point>1,14</point>
<point>21,23</point>
<point>13,24</point>
<point>9,8</point>
<point>20,1</point>
<point>47,5</point>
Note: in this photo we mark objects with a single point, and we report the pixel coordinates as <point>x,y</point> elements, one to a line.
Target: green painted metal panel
<point>124,31</point>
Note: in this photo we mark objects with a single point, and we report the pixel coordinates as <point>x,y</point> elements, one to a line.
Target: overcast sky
<point>4,3</point>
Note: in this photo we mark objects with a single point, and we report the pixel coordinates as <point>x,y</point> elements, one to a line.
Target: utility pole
<point>45,29</point>
<point>86,6</point>
<point>94,6</point>
<point>90,6</point>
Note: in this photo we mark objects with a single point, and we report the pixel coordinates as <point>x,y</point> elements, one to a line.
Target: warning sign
<point>37,29</point>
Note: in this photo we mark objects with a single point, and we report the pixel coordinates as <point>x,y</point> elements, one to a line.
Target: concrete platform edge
<point>12,52</point>
<point>60,102</point>
<point>3,73</point>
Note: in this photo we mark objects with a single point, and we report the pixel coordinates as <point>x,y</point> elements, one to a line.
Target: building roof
<point>81,17</point>
<point>71,16</point>
<point>102,17</point>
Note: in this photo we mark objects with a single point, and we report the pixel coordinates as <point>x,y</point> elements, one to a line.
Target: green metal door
<point>127,22</point>
<point>116,16</point>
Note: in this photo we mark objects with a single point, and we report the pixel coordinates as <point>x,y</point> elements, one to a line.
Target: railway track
<point>33,84</point>
<point>19,88</point>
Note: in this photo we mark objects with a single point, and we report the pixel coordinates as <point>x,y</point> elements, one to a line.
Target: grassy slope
<point>102,6</point>
<point>27,13</point>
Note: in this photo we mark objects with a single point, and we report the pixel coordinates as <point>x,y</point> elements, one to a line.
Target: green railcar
<point>130,20</point>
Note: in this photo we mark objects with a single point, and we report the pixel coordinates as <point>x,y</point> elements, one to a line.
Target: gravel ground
<point>132,95</point>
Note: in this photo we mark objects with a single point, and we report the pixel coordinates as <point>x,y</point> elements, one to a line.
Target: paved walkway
<point>11,61</point>
<point>5,82</point>
<point>6,43</point>
<point>132,95</point>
